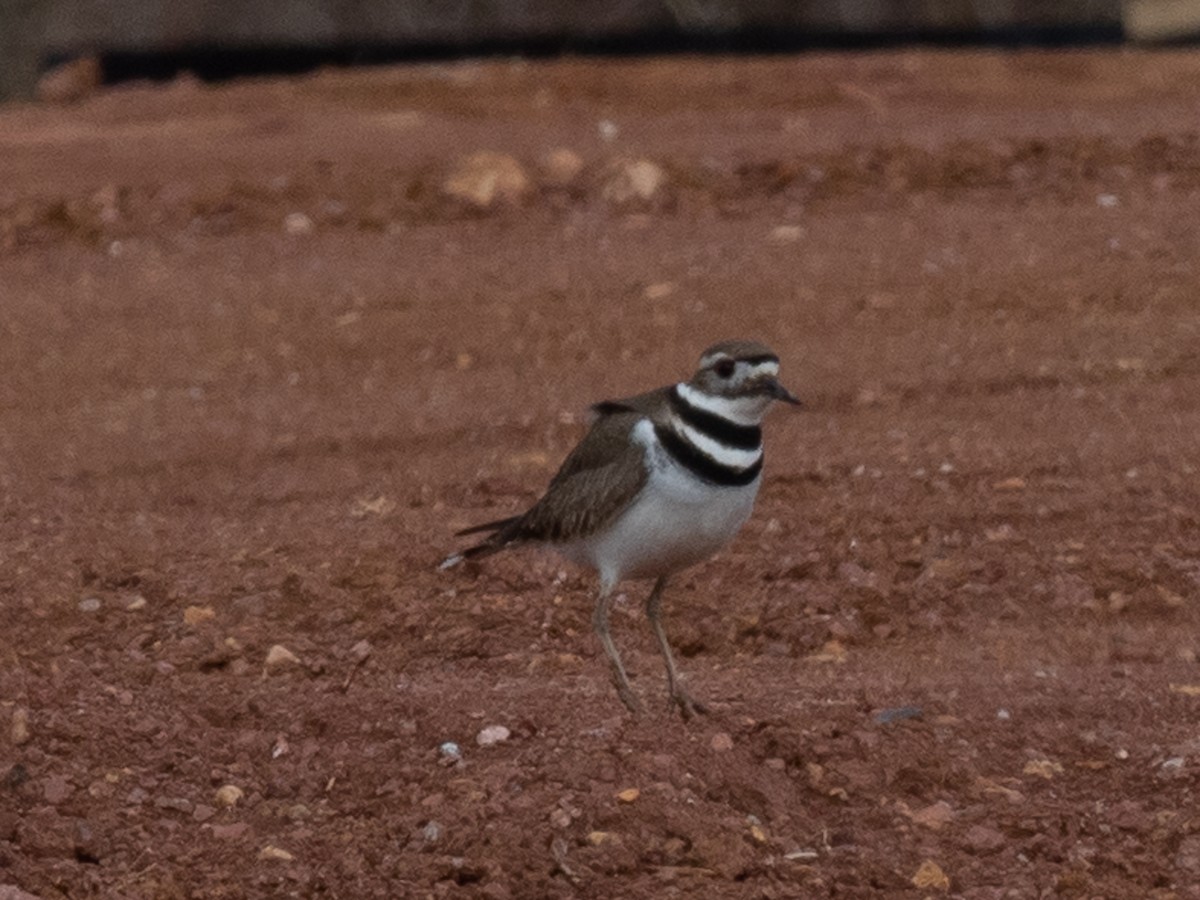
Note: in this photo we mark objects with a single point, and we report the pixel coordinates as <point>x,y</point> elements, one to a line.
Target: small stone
<point>19,729</point>
<point>634,181</point>
<point>629,795</point>
<point>229,795</point>
<point>275,853</point>
<point>930,875</point>
<point>831,652</point>
<point>493,734</point>
<point>57,789</point>
<point>194,615</point>
<point>297,223</point>
<point>361,651</point>
<point>786,234</point>
<point>179,804</point>
<point>486,179</point>
<point>660,290</point>
<point>775,763</point>
<point>560,818</point>
<point>70,82</point>
<point>137,796</point>
<point>450,753</point>
<point>203,812</point>
<point>1188,855</point>
<point>982,840</point>
<point>721,742</point>
<point>758,834</point>
<point>135,603</point>
<point>933,816</point>
<point>432,832</point>
<point>596,838</point>
<point>1042,768</point>
<point>608,130</point>
<point>89,604</point>
<point>560,167</point>
<point>12,892</point>
<point>232,831</point>
<point>279,656</point>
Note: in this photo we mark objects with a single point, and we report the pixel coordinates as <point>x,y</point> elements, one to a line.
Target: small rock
<point>279,656</point>
<point>179,804</point>
<point>361,651</point>
<point>485,179</point>
<point>629,795</point>
<point>634,181</point>
<point>1188,855</point>
<point>561,167</point>
<point>276,853</point>
<point>930,875</point>
<point>202,812</point>
<point>608,130</point>
<point>721,742</point>
<point>232,831</point>
<point>758,834</point>
<point>933,816</point>
<point>229,795</point>
<point>89,604</point>
<point>775,763</point>
<point>493,734</point>
<point>560,818</point>
<point>898,714</point>
<point>194,615</point>
<point>786,234</point>
<point>982,840</point>
<point>596,838</point>
<point>135,603</point>
<point>137,796</point>
<point>297,223</point>
<point>19,729</point>
<point>432,832</point>
<point>660,290</point>
<point>1042,768</point>
<point>450,753</point>
<point>57,789</point>
<point>70,82</point>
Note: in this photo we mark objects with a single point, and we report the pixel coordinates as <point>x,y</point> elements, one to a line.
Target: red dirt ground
<point>222,434</point>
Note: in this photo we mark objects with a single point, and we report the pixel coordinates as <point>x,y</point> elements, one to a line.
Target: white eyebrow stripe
<point>767,367</point>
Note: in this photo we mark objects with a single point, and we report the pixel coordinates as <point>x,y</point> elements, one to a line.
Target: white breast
<point>676,521</point>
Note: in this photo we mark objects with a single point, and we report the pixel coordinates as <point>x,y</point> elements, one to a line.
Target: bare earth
<point>256,367</point>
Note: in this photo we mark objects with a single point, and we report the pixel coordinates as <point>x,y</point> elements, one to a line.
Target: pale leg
<point>600,623</point>
<point>679,697</point>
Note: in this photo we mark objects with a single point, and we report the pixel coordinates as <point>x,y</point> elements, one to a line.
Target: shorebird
<point>660,482</point>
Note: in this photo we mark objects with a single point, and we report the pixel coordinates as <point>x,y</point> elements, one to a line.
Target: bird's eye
<point>725,368</point>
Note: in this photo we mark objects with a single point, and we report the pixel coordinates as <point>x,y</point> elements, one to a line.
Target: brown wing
<point>596,481</point>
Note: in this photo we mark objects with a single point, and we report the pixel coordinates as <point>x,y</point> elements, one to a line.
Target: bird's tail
<point>501,536</point>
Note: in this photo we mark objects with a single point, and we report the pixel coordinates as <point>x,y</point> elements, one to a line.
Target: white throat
<point>740,410</point>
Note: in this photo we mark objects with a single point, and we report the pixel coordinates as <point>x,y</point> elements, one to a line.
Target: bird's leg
<point>600,623</point>
<point>679,697</point>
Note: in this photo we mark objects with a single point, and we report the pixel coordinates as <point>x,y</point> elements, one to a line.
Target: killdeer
<point>660,482</point>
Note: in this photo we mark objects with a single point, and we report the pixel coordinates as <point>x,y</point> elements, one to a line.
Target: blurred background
<point>124,39</point>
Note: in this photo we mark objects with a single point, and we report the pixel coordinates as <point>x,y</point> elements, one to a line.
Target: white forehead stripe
<point>766,367</point>
<point>739,410</point>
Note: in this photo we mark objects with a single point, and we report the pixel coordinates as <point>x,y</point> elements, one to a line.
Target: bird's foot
<point>687,705</point>
<point>625,692</point>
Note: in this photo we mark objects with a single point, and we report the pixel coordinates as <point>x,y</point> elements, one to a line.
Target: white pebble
<point>89,604</point>
<point>493,734</point>
<point>297,223</point>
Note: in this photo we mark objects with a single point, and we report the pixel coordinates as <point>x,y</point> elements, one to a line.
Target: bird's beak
<point>779,392</point>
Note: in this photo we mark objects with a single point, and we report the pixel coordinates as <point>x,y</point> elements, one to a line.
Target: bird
<point>660,481</point>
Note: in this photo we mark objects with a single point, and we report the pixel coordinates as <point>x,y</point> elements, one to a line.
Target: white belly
<point>676,521</point>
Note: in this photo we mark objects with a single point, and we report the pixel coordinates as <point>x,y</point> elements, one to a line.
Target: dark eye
<point>725,368</point>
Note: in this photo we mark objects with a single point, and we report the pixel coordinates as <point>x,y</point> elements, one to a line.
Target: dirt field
<point>258,361</point>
